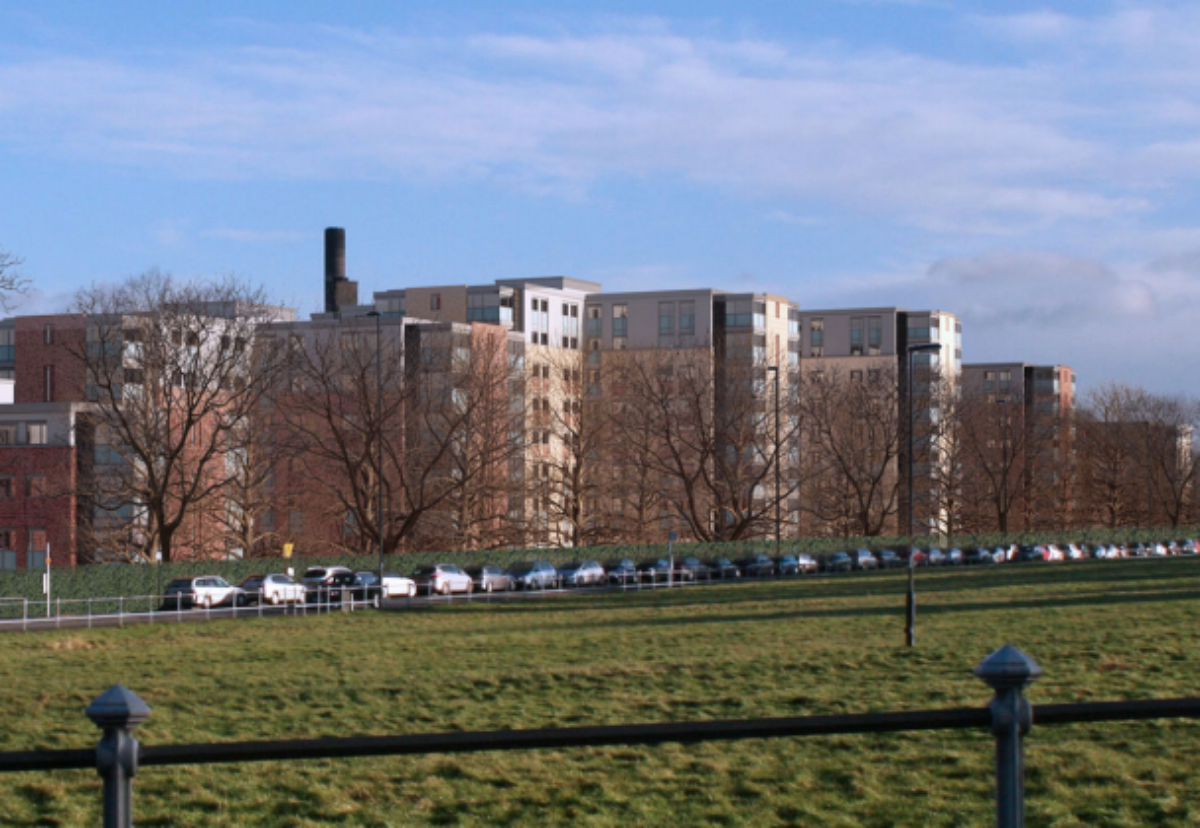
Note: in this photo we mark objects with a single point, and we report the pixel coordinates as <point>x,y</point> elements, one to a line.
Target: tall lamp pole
<point>774,369</point>
<point>910,625</point>
<point>379,523</point>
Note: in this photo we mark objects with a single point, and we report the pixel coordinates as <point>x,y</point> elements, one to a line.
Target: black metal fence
<point>1009,717</point>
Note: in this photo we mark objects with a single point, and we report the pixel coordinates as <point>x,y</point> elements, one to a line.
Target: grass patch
<point>1102,631</point>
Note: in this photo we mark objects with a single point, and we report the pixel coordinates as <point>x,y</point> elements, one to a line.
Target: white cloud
<point>951,147</point>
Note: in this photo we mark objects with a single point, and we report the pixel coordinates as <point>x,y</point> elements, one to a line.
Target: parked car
<point>1076,552</point>
<point>913,556</point>
<point>274,589</point>
<point>577,574</point>
<point>205,591</point>
<point>864,559</point>
<point>317,577</point>
<point>757,566</point>
<point>533,575</point>
<point>979,556</point>
<point>1187,547</point>
<point>839,562</point>
<point>623,571</point>
<point>1032,553</point>
<point>694,569</point>
<point>396,585</point>
<point>490,578</point>
<point>808,564</point>
<point>333,589</point>
<point>788,565</point>
<point>936,557</point>
<point>655,570</point>
<point>1000,554</point>
<point>954,557</point>
<point>724,568</point>
<point>1054,552</point>
<point>1159,550</point>
<point>442,579</point>
<point>890,559</point>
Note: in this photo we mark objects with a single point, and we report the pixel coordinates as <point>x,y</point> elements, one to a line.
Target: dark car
<point>839,562</point>
<point>889,559</point>
<point>1031,553</point>
<point>724,568</point>
<point>694,569</point>
<point>979,555</point>
<point>788,565</point>
<point>757,566</point>
<point>489,578</point>
<point>623,571</point>
<point>863,559</point>
<point>535,575</point>
<point>364,586</point>
<point>655,570</point>
<point>334,589</point>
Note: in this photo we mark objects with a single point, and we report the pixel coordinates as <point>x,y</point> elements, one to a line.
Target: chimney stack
<point>339,290</point>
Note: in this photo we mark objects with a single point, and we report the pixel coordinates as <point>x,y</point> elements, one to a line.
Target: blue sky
<point>1031,167</point>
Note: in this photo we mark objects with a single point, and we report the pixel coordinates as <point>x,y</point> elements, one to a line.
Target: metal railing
<point>1008,716</point>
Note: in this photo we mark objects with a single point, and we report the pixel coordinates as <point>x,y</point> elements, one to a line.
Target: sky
<point>1031,167</point>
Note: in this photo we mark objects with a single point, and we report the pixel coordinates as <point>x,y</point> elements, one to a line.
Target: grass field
<point>1102,631</point>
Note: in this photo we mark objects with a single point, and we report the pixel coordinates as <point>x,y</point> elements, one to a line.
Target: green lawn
<point>1101,631</point>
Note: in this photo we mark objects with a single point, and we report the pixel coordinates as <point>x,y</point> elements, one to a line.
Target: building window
<point>856,336</point>
<point>8,435</point>
<point>36,434</point>
<point>266,521</point>
<point>35,485</point>
<point>856,376</point>
<point>48,334</point>
<point>435,301</point>
<point>874,335</point>
<point>666,318</point>
<point>49,378</point>
<point>6,487</point>
<point>687,318</point>
<point>816,337</point>
<point>594,321</point>
<point>295,522</point>
<point>36,558</point>
<point>620,320</point>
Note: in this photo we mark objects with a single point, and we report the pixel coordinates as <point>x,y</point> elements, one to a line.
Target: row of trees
<point>217,431</point>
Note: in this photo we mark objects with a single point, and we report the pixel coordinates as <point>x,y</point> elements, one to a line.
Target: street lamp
<point>910,627</point>
<point>379,439</point>
<point>774,369</point>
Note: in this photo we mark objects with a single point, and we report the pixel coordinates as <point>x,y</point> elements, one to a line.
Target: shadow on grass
<point>1086,583</point>
<point>1106,599</point>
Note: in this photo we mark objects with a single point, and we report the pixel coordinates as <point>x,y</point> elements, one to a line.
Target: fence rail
<point>1009,717</point>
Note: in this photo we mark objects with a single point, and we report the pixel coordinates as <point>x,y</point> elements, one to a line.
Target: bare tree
<point>705,426</point>
<point>852,445</point>
<point>1114,479</point>
<point>12,283</point>
<point>171,371</point>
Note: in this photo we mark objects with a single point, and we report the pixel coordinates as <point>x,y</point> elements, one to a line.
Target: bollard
<point>1008,671</point>
<point>117,711</point>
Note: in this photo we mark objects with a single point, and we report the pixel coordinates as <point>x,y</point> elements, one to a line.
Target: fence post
<point>117,711</point>
<point>1008,671</point>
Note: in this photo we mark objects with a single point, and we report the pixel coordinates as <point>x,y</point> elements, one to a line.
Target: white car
<point>206,591</point>
<point>397,586</point>
<point>274,589</point>
<point>443,579</point>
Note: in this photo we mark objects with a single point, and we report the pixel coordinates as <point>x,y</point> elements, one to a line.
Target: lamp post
<point>774,369</point>
<point>1003,403</point>
<point>379,523</point>
<point>910,626</point>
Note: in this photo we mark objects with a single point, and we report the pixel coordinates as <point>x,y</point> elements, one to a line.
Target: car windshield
<point>572,565</point>
<point>252,581</point>
<point>424,570</point>
<point>180,583</point>
<point>523,566</point>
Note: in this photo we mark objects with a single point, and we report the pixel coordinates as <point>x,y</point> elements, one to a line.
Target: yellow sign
<point>287,550</point>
